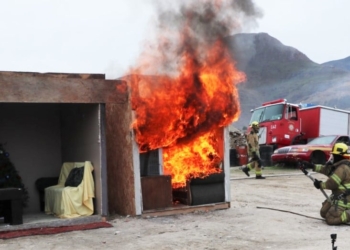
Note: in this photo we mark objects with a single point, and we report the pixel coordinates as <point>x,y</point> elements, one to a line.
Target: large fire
<point>184,93</point>
<point>198,157</point>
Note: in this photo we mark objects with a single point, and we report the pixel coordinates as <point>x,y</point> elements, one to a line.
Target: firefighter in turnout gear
<point>336,210</point>
<point>254,155</point>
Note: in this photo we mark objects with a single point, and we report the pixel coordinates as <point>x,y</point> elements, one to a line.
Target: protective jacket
<point>253,142</point>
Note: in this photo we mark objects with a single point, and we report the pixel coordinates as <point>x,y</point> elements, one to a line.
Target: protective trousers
<point>334,214</point>
<point>256,165</point>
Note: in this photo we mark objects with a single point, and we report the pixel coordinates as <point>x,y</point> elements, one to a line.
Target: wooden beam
<point>54,74</point>
<point>185,209</point>
<point>60,88</point>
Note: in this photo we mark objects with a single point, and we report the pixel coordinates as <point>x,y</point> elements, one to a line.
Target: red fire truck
<point>283,124</point>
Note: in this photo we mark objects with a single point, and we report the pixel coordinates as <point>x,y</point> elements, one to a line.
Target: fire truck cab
<point>279,123</point>
<point>284,124</point>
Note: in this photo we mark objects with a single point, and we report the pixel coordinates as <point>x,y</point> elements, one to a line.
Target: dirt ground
<point>252,222</point>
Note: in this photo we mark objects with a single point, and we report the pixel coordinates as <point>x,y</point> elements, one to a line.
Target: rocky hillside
<point>275,71</point>
<point>340,64</point>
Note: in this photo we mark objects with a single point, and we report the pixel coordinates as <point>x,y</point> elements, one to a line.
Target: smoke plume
<point>191,27</point>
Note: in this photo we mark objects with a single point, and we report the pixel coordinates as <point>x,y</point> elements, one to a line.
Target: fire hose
<point>313,180</point>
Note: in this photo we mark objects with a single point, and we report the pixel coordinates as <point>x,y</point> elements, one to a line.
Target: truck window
<point>256,115</point>
<point>291,113</point>
<point>268,113</point>
<point>322,140</point>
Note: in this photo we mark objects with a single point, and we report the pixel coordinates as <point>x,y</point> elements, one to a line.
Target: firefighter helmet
<point>339,148</point>
<point>254,124</point>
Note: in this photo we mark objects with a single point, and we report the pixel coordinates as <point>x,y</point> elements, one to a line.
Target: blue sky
<point>106,36</point>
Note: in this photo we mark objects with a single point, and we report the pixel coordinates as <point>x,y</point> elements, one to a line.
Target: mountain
<point>340,64</point>
<point>275,71</point>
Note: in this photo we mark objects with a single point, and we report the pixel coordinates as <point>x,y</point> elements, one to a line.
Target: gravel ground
<point>280,212</point>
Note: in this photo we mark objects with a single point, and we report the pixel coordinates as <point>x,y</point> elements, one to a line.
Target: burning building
<point>184,95</point>
<point>158,137</point>
<point>47,119</point>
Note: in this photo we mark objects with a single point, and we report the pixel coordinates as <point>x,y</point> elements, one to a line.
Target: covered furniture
<point>40,185</point>
<point>12,200</point>
<point>68,201</point>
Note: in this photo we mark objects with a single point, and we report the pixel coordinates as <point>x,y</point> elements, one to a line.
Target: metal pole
<point>313,180</point>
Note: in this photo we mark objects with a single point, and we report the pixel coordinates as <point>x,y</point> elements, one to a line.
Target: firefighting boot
<point>259,177</point>
<point>245,169</point>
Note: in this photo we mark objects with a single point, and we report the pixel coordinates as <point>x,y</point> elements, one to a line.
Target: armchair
<point>70,202</point>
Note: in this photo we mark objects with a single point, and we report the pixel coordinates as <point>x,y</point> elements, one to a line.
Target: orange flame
<point>185,112</point>
<point>188,107</point>
<point>196,158</point>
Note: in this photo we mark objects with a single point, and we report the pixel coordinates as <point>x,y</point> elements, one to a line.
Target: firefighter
<point>253,152</point>
<point>336,210</point>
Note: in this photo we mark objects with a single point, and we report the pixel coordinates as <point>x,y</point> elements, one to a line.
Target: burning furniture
<point>159,190</point>
<point>200,191</point>
<point>165,192</point>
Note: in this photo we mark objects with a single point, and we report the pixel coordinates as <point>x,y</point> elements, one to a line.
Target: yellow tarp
<point>71,202</point>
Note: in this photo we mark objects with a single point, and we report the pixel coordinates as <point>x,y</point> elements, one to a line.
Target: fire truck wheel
<point>318,157</point>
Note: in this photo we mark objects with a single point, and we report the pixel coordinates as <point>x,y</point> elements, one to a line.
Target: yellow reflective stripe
<point>318,168</point>
<point>344,217</point>
<point>323,185</point>
<point>336,178</point>
<point>258,172</point>
<point>344,186</point>
<point>341,204</point>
